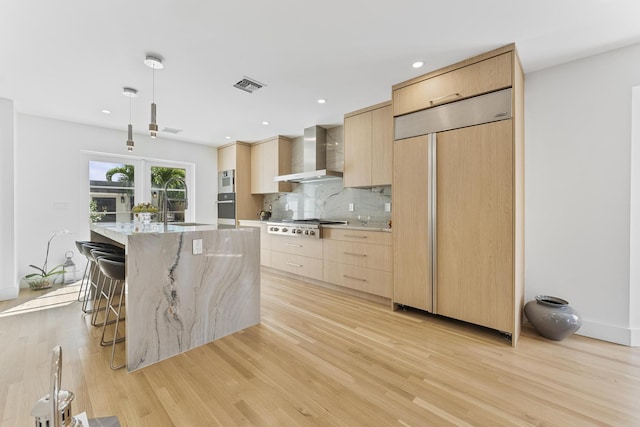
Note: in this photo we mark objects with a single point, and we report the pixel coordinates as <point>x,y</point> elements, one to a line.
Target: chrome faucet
<point>165,206</point>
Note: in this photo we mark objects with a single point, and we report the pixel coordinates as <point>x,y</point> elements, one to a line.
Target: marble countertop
<point>121,231</point>
<point>178,298</point>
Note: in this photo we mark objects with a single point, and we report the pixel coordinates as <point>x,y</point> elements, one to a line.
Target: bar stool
<point>115,271</point>
<point>93,279</point>
<point>79,244</point>
<point>84,281</point>
<point>102,290</point>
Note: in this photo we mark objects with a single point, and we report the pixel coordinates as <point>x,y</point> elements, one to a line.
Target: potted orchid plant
<point>44,278</point>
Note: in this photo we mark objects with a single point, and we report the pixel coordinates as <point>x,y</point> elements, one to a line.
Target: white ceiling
<point>69,59</point>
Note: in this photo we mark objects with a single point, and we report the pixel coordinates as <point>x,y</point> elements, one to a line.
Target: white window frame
<point>142,181</point>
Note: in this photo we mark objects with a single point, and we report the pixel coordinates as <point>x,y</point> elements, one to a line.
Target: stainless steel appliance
<point>310,228</point>
<point>226,208</point>
<point>313,158</point>
<point>227,181</point>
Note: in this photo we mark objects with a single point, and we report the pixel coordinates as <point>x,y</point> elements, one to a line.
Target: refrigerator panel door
<point>411,229</point>
<point>474,228</point>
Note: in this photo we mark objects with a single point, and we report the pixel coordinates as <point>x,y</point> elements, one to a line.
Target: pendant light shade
<point>153,126</point>
<point>154,63</point>
<point>130,142</point>
<point>130,93</point>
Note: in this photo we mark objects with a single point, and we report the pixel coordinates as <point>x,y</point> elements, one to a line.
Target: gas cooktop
<point>309,227</point>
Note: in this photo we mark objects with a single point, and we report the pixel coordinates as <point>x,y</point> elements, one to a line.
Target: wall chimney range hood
<point>314,159</point>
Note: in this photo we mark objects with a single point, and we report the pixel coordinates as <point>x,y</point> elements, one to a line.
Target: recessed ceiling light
<point>417,64</point>
<point>322,101</point>
<point>227,137</point>
<point>106,111</point>
<point>265,123</point>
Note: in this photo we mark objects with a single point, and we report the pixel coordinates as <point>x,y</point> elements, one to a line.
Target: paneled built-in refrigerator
<point>453,210</point>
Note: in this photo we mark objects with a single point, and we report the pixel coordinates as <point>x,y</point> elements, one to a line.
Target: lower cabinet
<point>355,259</point>
<point>360,260</point>
<point>298,255</point>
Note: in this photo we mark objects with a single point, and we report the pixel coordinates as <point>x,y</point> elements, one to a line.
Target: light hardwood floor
<point>322,358</point>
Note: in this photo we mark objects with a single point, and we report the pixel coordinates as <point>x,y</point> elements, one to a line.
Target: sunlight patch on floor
<point>54,298</point>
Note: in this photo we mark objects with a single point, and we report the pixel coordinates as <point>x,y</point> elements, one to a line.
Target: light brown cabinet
<point>270,158</point>
<point>227,157</point>
<point>237,156</point>
<point>297,255</point>
<point>359,260</point>
<point>453,83</point>
<point>368,146</point>
<point>458,203</point>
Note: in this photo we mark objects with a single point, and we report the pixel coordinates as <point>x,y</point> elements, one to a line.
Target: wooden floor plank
<point>321,358</point>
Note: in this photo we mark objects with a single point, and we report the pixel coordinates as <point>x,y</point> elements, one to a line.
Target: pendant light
<point>154,63</point>
<point>130,93</point>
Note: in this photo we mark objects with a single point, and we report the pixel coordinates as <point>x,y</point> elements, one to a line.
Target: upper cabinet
<point>227,157</point>
<point>453,83</point>
<point>270,158</point>
<point>368,146</point>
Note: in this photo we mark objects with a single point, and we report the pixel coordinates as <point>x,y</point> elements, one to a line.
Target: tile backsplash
<point>330,200</point>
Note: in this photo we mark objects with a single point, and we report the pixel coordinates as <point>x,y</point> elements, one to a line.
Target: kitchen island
<point>178,299</point>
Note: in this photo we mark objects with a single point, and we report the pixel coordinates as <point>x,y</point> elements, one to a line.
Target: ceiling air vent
<point>248,84</point>
<point>171,130</point>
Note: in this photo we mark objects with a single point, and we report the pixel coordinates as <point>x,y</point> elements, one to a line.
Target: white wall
<point>8,289</point>
<point>634,257</point>
<point>577,188</point>
<point>51,173</point>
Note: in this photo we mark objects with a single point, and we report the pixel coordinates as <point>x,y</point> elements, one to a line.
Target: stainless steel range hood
<point>314,159</point>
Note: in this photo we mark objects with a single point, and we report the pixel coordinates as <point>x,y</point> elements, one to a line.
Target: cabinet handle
<point>354,236</point>
<point>294,264</point>
<point>354,278</point>
<point>351,253</point>
<point>294,245</point>
<point>440,98</point>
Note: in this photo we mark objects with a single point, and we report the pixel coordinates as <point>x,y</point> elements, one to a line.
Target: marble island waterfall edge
<point>177,301</point>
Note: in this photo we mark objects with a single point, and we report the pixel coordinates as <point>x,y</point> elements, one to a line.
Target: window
<point>111,190</point>
<point>117,183</point>
<point>176,191</point>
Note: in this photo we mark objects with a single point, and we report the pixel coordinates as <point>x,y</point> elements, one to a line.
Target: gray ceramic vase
<point>552,317</point>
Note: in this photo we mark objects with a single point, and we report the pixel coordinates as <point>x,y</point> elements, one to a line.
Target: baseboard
<point>635,338</point>
<point>9,293</point>
<point>614,334</point>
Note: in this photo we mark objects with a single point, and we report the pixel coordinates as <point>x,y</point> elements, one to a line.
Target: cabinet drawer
<point>297,246</point>
<point>304,266</point>
<point>475,79</point>
<point>374,282</point>
<point>365,255</point>
<point>371,237</point>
